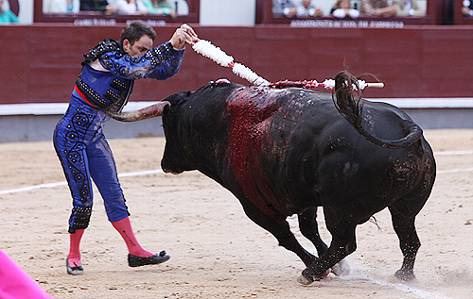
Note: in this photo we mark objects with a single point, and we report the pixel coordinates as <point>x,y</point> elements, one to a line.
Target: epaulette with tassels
<point>107,45</point>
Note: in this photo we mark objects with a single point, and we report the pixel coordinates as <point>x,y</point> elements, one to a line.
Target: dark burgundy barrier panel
<point>40,63</point>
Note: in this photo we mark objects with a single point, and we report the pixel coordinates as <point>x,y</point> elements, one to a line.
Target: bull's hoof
<point>302,280</point>
<point>307,278</point>
<point>341,268</point>
<point>405,275</point>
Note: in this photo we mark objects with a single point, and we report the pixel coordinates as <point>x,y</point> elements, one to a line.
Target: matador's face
<point>139,47</point>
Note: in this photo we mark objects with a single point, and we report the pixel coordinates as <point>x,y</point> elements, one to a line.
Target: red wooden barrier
<point>40,63</point>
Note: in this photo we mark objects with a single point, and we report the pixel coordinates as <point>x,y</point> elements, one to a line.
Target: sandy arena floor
<point>217,252</point>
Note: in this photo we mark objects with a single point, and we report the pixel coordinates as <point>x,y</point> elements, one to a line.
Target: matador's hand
<point>184,34</point>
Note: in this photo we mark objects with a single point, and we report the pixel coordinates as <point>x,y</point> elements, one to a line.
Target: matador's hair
<point>135,30</point>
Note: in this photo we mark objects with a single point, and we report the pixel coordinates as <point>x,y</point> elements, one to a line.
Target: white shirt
<point>125,8</point>
<point>60,6</point>
<point>341,13</point>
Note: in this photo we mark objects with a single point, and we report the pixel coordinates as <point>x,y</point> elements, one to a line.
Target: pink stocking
<point>124,228</point>
<point>73,258</point>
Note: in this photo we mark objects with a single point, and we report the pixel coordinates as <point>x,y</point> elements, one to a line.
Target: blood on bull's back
<point>291,148</point>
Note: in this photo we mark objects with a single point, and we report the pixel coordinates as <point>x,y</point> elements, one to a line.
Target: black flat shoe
<point>138,261</point>
<point>76,270</point>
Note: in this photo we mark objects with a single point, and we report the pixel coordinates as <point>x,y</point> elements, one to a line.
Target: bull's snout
<point>172,171</point>
<point>167,169</point>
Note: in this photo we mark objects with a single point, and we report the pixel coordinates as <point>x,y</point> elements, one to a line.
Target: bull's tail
<point>348,103</point>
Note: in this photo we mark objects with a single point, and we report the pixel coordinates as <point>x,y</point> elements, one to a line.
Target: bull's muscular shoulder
<point>284,116</point>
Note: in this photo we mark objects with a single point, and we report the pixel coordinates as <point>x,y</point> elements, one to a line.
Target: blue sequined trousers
<point>85,154</point>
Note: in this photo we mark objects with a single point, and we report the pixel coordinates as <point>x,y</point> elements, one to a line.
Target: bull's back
<point>292,148</point>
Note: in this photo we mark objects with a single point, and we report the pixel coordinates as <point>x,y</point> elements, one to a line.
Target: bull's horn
<point>154,110</point>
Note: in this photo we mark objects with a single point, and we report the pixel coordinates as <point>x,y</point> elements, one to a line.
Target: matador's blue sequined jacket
<point>110,90</point>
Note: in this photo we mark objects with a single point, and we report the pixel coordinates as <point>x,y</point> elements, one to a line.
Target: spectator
<point>304,8</point>
<point>181,7</point>
<point>94,5</point>
<point>409,8</point>
<point>467,8</point>
<point>6,15</point>
<point>342,9</point>
<point>61,6</point>
<point>159,7</point>
<point>283,7</point>
<point>378,8</point>
<point>130,7</point>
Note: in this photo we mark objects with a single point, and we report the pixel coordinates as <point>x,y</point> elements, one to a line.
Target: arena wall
<point>40,63</point>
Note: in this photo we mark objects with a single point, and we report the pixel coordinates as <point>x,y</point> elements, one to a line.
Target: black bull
<point>288,151</point>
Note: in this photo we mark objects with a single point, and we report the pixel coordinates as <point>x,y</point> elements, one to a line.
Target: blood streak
<point>251,112</point>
